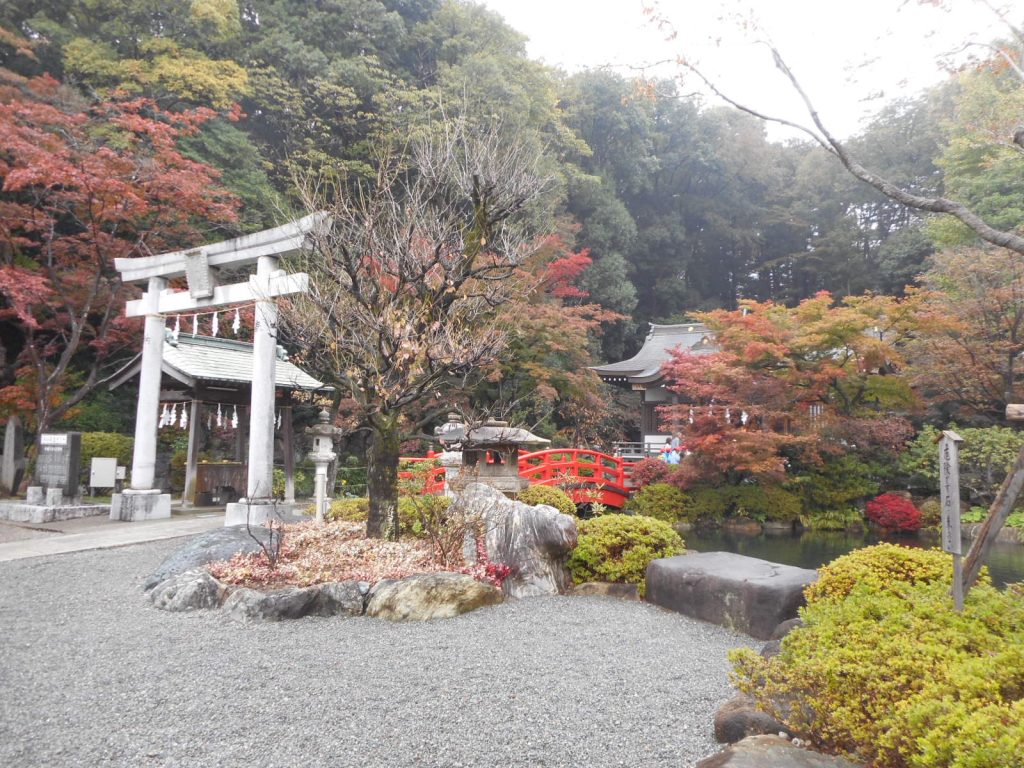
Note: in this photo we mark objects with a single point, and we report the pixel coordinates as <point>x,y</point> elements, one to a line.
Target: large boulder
<point>429,596</point>
<point>189,591</point>
<point>771,752</point>
<point>535,542</point>
<point>209,547</point>
<point>289,603</point>
<point>340,598</point>
<point>739,718</point>
<point>742,593</point>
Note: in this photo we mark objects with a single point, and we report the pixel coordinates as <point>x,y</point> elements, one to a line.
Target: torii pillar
<point>200,266</point>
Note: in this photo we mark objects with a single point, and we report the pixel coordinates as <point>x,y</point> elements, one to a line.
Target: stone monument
<point>59,465</point>
<point>12,463</point>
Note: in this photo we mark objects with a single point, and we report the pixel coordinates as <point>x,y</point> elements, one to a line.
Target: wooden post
<point>1000,509</point>
<point>288,455</point>
<point>188,495</point>
<point>949,493</point>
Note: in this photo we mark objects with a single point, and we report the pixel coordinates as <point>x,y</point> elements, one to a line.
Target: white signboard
<point>949,490</point>
<point>53,439</point>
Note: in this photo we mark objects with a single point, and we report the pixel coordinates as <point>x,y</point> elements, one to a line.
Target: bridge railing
<point>555,464</point>
<point>433,482</point>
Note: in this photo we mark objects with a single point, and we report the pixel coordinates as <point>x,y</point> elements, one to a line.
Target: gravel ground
<point>92,675</point>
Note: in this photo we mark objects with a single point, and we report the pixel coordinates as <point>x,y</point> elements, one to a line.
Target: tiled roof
<point>645,365</point>
<point>210,359</point>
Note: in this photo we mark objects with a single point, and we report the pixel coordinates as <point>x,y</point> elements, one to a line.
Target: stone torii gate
<point>200,267</point>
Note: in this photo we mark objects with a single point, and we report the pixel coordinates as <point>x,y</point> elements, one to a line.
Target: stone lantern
<point>490,453</point>
<point>322,454</point>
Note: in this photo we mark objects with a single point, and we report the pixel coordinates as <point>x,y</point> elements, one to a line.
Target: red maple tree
<point>791,385</point>
<point>83,183</point>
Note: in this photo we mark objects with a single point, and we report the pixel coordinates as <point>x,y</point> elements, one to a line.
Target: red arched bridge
<point>587,476</point>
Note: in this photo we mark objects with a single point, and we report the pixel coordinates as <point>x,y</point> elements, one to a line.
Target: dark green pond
<point>810,549</point>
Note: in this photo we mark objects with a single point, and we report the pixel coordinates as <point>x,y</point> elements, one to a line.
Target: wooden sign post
<point>949,494</point>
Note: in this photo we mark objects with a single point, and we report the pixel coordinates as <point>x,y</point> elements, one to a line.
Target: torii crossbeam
<point>200,266</point>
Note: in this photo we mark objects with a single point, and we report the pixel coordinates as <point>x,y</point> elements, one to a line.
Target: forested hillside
<point>681,206</point>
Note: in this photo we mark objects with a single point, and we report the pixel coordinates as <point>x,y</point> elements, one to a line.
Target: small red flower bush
<point>892,511</point>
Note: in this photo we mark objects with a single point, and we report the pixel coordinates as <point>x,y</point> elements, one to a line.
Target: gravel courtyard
<point>92,675</point>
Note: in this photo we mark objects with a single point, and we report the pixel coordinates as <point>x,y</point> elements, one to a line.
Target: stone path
<point>22,540</point>
<point>92,674</point>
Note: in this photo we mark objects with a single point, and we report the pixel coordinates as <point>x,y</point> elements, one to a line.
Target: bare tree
<point>405,281</point>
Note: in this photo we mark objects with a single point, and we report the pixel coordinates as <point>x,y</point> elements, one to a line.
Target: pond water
<point>811,549</point>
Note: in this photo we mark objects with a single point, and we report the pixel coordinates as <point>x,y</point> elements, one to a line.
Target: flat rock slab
<point>23,512</point>
<point>771,752</point>
<point>742,593</point>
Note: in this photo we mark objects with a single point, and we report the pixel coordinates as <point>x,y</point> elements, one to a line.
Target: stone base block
<point>255,511</point>
<point>34,495</point>
<point>132,506</point>
<point>742,593</point>
<point>54,497</point>
<point>23,512</point>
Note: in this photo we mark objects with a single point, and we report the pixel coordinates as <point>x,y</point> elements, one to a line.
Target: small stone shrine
<point>490,453</point>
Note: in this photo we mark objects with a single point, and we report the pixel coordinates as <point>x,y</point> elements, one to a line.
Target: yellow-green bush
<point>885,567</point>
<point>660,501</point>
<point>105,445</point>
<point>412,510</point>
<point>620,547</point>
<point>931,513</point>
<point>900,679</point>
<point>546,494</point>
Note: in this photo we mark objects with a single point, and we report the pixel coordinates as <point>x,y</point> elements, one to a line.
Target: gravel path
<point>92,675</point>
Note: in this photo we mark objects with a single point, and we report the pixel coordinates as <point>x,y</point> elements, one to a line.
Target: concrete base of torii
<point>132,505</point>
<point>256,511</point>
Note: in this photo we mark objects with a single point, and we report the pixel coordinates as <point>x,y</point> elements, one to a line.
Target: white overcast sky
<point>851,55</point>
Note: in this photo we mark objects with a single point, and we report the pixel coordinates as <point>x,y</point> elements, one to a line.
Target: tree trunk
<point>382,478</point>
<point>997,514</point>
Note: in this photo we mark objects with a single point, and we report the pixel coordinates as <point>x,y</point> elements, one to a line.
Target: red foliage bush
<point>650,471</point>
<point>892,511</point>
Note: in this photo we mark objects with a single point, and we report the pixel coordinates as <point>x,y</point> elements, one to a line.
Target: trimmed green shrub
<point>660,501</point>
<point>707,503</point>
<point>885,568</point>
<point>620,547</point>
<point>764,502</point>
<point>351,510</point>
<point>546,494</point>
<point>901,680</point>
<point>105,445</point>
<point>750,500</point>
<point>838,484</point>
